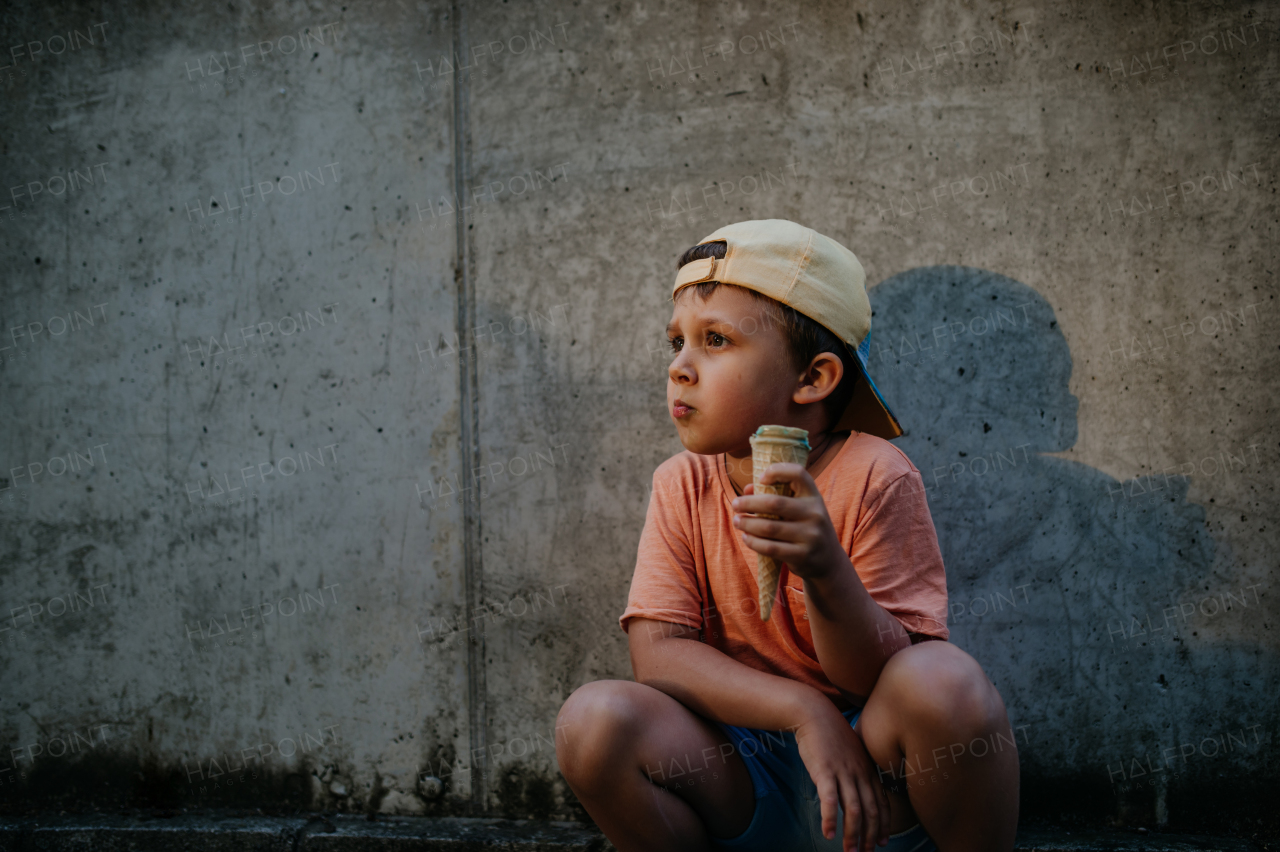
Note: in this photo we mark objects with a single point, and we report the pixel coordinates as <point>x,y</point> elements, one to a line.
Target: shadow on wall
<point>1061,581</point>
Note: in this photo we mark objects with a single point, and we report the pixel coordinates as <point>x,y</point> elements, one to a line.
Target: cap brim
<point>867,411</point>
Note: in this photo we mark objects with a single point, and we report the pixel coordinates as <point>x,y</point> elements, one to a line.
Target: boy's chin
<point>709,446</point>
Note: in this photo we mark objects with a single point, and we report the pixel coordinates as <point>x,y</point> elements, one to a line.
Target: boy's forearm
<point>852,634</point>
<point>718,687</point>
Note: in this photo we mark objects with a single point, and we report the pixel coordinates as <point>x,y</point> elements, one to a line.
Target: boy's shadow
<point>1049,561</point>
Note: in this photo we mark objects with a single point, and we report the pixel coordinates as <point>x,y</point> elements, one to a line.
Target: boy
<point>739,733</point>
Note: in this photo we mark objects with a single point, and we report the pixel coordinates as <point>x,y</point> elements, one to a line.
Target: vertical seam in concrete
<point>469,416</point>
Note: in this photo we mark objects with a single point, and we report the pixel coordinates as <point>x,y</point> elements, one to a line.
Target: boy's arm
<point>853,635</point>
<point>669,658</point>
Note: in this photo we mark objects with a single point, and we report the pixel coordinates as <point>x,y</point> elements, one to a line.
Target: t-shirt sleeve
<point>895,552</point>
<point>664,586</point>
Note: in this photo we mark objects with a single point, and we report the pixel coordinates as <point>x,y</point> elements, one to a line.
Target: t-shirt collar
<point>726,484</point>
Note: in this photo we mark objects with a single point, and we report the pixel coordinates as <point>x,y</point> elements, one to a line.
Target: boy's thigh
<point>671,747</point>
<point>924,694</point>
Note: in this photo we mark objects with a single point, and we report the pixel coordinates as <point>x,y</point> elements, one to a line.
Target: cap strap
<point>703,269</point>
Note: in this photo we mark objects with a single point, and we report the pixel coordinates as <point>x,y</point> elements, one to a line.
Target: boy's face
<point>732,371</point>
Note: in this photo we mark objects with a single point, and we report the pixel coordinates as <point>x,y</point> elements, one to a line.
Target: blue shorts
<point>788,817</point>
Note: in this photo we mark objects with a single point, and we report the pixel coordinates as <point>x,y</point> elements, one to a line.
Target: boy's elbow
<point>647,639</point>
<point>648,671</point>
<point>643,666</point>
<point>638,668</point>
<point>857,681</point>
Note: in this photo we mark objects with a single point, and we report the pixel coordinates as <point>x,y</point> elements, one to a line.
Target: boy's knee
<point>938,684</point>
<point>600,701</point>
<point>595,722</point>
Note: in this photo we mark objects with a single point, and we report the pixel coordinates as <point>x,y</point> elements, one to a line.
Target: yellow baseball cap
<point>816,276</point>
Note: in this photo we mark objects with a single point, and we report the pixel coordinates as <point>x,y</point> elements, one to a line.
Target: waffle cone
<point>770,445</point>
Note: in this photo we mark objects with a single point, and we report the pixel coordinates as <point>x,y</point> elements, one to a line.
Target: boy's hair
<point>805,338</point>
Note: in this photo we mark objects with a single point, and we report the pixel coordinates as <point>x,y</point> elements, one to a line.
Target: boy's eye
<point>676,343</point>
<point>714,339</point>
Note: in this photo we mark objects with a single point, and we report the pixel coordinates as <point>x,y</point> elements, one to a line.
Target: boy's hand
<point>804,537</point>
<point>846,777</point>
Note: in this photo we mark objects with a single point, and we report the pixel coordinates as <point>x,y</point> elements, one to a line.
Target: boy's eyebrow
<point>673,327</point>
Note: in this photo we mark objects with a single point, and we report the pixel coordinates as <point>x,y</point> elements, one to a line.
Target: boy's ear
<point>820,379</point>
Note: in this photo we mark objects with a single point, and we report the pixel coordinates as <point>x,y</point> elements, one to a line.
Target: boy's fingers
<point>771,504</point>
<point>775,530</point>
<point>877,790</point>
<point>779,472</point>
<point>853,814</point>
<point>882,799</point>
<point>829,803</point>
<point>781,551</point>
<point>801,482</point>
<point>874,819</point>
<point>849,802</point>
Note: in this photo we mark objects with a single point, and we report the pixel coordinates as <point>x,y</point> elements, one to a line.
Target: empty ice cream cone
<point>770,445</point>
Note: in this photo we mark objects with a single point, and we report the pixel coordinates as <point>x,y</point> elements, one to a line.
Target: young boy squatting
<point>835,724</point>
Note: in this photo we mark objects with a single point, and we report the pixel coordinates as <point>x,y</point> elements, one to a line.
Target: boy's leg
<point>936,721</point>
<point>618,744</point>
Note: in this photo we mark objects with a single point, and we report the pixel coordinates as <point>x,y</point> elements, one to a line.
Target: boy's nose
<point>680,371</point>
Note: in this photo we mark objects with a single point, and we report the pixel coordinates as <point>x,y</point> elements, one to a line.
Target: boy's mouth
<point>679,409</point>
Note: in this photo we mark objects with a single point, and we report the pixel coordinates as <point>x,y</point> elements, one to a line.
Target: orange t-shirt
<point>694,569</point>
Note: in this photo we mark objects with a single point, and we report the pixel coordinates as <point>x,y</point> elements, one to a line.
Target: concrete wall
<point>442,422</point>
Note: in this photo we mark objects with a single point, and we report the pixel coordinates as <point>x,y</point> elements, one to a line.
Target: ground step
<point>344,833</point>
<point>1126,841</point>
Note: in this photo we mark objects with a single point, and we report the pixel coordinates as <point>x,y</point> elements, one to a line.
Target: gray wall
<point>348,349</point>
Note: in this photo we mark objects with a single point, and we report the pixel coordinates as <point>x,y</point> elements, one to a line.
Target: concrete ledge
<point>345,833</point>
<point>410,833</point>
<point>110,833</point>
<point>285,834</point>
<point>1128,841</point>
